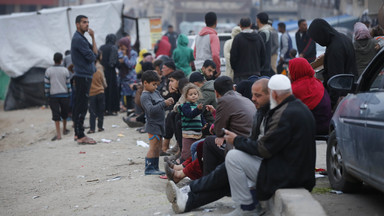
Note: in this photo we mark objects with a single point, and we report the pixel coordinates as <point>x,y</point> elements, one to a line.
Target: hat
<point>170,64</point>
<point>263,17</point>
<point>279,82</point>
<point>196,77</point>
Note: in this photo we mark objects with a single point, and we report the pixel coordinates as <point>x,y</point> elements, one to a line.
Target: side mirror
<point>342,82</point>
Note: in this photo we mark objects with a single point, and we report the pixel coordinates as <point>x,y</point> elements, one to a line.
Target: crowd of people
<point>244,134</point>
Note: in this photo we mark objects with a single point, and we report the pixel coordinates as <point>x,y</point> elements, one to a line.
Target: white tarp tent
<point>30,39</point>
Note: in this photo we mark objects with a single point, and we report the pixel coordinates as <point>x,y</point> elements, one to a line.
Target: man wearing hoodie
<point>183,55</point>
<point>207,45</point>
<point>339,57</point>
<point>248,54</point>
<point>265,33</point>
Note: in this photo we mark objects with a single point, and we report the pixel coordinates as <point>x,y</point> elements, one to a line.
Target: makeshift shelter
<point>31,39</point>
<point>26,90</point>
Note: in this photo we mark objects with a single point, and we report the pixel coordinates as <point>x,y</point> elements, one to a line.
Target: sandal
<point>86,141</point>
<point>141,130</point>
<point>90,132</point>
<point>66,132</point>
<point>55,138</point>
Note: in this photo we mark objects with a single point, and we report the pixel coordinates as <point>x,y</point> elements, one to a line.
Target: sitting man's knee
<point>233,156</point>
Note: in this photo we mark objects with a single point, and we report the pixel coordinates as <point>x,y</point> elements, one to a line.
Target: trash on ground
<point>35,197</point>
<point>130,161</point>
<point>114,179</point>
<point>106,140</point>
<point>208,210</point>
<point>336,192</point>
<point>319,175</point>
<point>115,126</point>
<point>93,180</point>
<point>82,152</point>
<point>142,144</point>
<point>118,140</point>
<point>120,135</point>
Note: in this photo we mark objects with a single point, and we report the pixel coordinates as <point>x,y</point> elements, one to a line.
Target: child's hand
<point>169,101</point>
<point>210,108</point>
<point>200,106</point>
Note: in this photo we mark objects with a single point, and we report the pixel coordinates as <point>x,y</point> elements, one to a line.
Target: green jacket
<point>183,55</point>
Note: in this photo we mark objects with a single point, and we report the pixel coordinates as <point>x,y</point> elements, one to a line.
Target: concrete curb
<point>294,202</point>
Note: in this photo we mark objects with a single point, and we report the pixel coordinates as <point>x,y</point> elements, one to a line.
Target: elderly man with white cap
<point>283,156</point>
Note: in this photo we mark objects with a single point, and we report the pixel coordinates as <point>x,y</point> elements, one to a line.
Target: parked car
<point>355,151</point>
<point>222,37</point>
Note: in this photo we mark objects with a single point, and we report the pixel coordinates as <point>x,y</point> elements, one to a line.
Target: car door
<point>371,151</point>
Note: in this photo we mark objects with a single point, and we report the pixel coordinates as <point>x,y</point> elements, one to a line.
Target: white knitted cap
<point>279,82</point>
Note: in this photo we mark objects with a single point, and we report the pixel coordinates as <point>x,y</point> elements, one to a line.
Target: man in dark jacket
<point>306,46</point>
<point>265,33</point>
<point>247,53</point>
<point>172,36</point>
<point>215,185</point>
<point>83,58</point>
<point>339,57</point>
<point>283,156</point>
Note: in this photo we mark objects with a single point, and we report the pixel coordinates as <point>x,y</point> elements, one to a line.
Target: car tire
<point>338,176</point>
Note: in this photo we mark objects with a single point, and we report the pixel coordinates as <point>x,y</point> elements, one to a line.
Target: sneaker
<point>240,212</point>
<point>176,197</point>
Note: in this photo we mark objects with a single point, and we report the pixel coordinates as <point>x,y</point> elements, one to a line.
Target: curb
<point>294,202</point>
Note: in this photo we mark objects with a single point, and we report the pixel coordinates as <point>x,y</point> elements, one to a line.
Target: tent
<point>31,39</point>
<point>26,90</point>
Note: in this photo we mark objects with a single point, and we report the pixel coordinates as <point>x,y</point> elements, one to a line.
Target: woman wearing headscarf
<point>364,46</point>
<point>127,74</point>
<point>110,62</point>
<point>183,55</point>
<point>227,51</point>
<point>311,92</point>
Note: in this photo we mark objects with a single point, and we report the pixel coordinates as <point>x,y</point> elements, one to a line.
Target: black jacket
<point>288,149</point>
<point>306,46</point>
<point>339,57</point>
<point>247,54</point>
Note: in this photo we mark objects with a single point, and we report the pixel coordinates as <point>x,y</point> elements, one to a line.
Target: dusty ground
<point>44,177</point>
<point>41,177</point>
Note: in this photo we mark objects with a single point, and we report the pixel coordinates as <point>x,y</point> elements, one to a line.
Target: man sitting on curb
<point>215,185</point>
<point>283,156</point>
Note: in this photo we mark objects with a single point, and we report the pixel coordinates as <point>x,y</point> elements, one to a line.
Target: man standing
<point>215,185</point>
<point>172,36</point>
<point>248,52</point>
<point>274,46</point>
<point>285,43</point>
<point>339,57</point>
<point>283,156</point>
<point>305,45</point>
<point>83,57</point>
<point>265,33</point>
<point>207,45</point>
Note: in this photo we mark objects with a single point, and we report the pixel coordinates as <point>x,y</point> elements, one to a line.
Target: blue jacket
<point>83,57</point>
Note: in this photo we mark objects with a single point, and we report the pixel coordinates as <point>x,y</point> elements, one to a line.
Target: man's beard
<point>273,102</point>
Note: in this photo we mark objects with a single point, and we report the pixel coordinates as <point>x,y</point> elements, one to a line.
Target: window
<point>378,82</point>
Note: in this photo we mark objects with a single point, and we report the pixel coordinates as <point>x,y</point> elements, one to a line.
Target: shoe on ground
<point>176,197</point>
<point>173,150</point>
<point>240,212</point>
<point>132,123</point>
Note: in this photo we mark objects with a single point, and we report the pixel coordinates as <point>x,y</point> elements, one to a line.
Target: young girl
<point>192,121</point>
<point>154,107</point>
<point>97,98</point>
